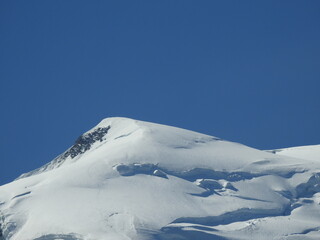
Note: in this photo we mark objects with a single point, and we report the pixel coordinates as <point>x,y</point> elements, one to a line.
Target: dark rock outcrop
<point>85,141</point>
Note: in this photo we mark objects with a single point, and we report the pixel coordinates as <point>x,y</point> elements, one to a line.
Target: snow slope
<point>128,179</point>
<point>311,152</point>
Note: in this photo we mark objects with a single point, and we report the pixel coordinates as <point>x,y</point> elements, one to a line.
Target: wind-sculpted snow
<point>60,237</point>
<point>127,179</point>
<point>178,233</point>
<point>189,175</point>
<point>146,168</point>
<point>309,188</point>
<point>240,215</point>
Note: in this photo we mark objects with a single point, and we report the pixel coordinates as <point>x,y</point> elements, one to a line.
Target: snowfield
<point>127,179</point>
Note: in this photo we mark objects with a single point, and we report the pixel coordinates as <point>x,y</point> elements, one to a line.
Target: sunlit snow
<point>139,180</point>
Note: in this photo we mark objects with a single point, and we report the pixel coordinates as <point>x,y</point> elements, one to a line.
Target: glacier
<point>128,179</point>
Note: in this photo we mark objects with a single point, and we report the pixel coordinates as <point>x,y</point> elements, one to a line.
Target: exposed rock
<point>85,141</point>
<point>82,144</point>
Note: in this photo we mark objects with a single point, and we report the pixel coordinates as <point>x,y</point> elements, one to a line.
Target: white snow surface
<point>311,152</point>
<point>149,181</point>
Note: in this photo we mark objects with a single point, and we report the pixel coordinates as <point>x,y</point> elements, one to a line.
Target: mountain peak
<point>131,132</point>
<point>129,179</point>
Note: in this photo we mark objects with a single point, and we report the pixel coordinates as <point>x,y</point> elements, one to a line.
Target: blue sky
<point>245,71</point>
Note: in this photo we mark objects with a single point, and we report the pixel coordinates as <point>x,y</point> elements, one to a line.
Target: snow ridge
<point>81,145</point>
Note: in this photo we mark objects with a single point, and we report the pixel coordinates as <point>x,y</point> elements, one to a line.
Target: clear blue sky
<point>245,71</point>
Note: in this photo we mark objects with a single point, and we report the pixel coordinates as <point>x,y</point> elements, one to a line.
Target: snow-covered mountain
<point>127,179</point>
